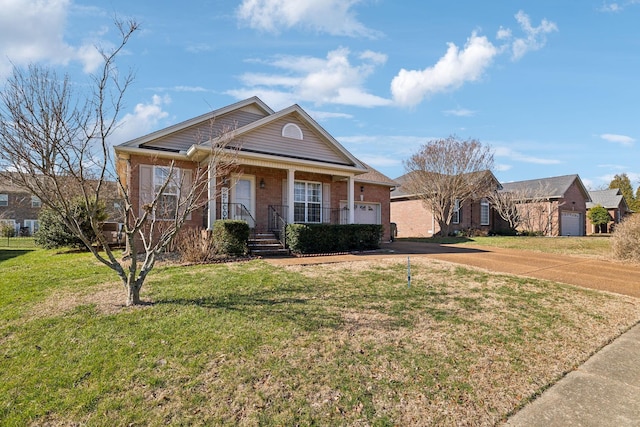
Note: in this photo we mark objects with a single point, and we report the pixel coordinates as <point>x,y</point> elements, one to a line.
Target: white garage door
<point>571,224</point>
<point>366,213</point>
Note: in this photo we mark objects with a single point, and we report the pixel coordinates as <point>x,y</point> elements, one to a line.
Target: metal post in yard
<point>408,272</point>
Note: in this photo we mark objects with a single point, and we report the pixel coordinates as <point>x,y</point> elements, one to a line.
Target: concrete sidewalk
<point>603,392</point>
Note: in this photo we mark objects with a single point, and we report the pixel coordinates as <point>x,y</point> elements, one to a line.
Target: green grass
<point>252,344</point>
<point>589,246</point>
<point>17,242</point>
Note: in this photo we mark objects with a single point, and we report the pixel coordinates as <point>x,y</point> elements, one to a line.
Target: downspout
<point>550,226</point>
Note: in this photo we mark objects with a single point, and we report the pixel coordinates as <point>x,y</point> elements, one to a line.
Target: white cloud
<point>610,7</point>
<point>460,112</point>
<point>454,69</point>
<point>326,115</point>
<point>335,17</point>
<point>535,37</point>
<point>457,67</point>
<point>144,119</point>
<point>613,166</point>
<point>524,158</point>
<point>627,141</point>
<point>330,80</point>
<point>380,161</point>
<point>33,31</point>
<point>633,177</point>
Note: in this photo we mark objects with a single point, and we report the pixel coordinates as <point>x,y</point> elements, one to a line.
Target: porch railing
<point>278,223</point>
<point>238,211</point>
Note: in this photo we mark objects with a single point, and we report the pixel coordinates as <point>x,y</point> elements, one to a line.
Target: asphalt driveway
<point>589,273</point>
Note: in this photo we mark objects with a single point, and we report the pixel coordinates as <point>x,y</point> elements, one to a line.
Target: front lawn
<point>252,344</point>
<point>586,246</point>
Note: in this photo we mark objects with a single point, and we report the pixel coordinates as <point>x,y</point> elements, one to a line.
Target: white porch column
<point>350,199</point>
<point>212,183</point>
<point>290,195</point>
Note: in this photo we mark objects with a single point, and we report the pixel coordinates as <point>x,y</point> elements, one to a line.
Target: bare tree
<point>54,142</point>
<point>526,208</point>
<point>446,173</point>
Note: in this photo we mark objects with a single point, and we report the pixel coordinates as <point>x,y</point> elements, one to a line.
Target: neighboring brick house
<point>614,202</point>
<point>555,206</point>
<point>289,170</point>
<point>413,219</point>
<point>18,209</point>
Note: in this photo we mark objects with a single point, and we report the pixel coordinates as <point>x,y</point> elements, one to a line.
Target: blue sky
<point>552,86</point>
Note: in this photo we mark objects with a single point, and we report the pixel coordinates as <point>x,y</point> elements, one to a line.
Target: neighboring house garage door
<point>571,224</point>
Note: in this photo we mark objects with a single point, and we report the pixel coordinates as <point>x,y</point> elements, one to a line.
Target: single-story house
<point>289,169</point>
<point>413,219</point>
<point>555,206</point>
<point>614,202</point>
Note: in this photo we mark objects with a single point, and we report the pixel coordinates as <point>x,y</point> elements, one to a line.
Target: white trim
<point>292,131</point>
<point>350,199</point>
<point>484,204</point>
<point>196,120</point>
<point>455,218</point>
<point>252,192</point>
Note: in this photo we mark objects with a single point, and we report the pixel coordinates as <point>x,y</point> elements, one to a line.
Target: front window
<point>168,201</point>
<point>307,202</point>
<point>484,212</point>
<point>35,202</point>
<point>455,219</point>
<point>4,200</point>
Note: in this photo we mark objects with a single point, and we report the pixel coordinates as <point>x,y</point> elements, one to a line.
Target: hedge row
<point>231,237</point>
<point>327,238</point>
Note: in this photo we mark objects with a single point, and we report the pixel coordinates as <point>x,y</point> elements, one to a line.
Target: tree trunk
<point>133,294</point>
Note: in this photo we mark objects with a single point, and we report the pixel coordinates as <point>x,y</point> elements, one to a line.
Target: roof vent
<point>291,130</point>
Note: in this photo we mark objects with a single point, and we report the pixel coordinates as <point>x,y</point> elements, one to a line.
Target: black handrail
<point>239,211</point>
<point>278,223</point>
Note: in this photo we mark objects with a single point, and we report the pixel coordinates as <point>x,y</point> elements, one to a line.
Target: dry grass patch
<point>334,344</point>
<point>471,347</point>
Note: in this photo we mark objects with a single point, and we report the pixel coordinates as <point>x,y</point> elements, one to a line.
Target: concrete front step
<point>266,244</point>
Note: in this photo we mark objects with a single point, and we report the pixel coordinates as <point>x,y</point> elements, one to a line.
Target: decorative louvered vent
<point>291,130</point>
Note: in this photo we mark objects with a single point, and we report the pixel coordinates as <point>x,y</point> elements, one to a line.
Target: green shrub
<point>625,240</point>
<point>328,238</point>
<point>231,237</point>
<point>54,234</point>
<point>7,230</point>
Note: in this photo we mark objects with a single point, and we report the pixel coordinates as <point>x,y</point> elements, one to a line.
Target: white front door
<point>243,199</point>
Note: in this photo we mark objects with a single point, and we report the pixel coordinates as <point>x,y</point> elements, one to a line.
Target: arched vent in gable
<point>291,130</point>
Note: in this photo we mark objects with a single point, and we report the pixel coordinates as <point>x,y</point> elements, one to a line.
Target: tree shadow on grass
<point>6,254</point>
<point>302,311</point>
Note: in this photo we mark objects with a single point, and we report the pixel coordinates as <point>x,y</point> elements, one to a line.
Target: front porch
<point>260,196</point>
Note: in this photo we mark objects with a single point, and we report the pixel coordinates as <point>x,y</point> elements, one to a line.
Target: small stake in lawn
<point>408,272</point>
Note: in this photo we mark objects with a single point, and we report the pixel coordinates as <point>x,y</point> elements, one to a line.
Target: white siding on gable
<point>184,139</point>
<point>268,139</point>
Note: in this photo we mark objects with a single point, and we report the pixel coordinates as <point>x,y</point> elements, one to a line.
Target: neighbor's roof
<point>555,187</point>
<point>610,199</point>
<point>373,176</point>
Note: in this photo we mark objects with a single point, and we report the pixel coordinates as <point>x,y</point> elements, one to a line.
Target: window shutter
<point>185,187</point>
<point>146,190</point>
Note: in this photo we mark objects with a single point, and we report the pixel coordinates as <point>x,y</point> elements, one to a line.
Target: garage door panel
<point>570,224</point>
